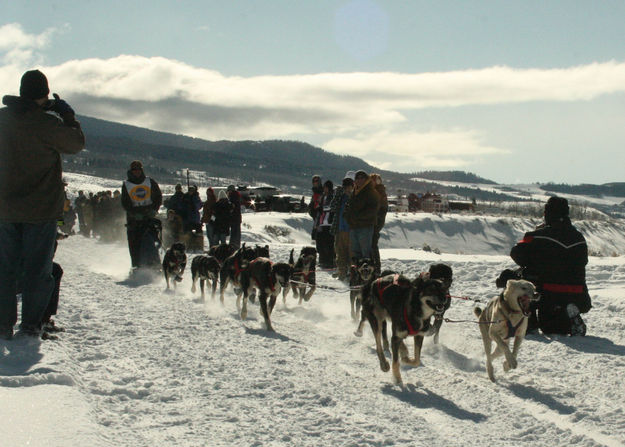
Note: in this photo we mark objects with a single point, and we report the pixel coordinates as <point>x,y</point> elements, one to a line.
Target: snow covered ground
<point>141,367</point>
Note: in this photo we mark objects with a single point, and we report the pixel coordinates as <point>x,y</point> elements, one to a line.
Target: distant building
<point>434,203</point>
<point>461,205</point>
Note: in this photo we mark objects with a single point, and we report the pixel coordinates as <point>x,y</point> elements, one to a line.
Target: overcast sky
<point>514,91</point>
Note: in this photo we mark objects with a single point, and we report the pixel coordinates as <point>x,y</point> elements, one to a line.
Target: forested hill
<point>454,176</point>
<point>111,146</point>
<point>607,189</point>
<point>288,165</point>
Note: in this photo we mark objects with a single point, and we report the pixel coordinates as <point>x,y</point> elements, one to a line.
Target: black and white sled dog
<point>174,263</point>
<point>444,274</point>
<point>270,279</point>
<point>361,272</point>
<point>303,274</point>
<point>506,317</point>
<point>232,268</point>
<point>408,305</point>
<point>262,251</point>
<point>205,268</point>
<point>221,252</point>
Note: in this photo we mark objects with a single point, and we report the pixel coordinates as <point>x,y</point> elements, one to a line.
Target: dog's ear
<point>418,283</point>
<point>291,259</point>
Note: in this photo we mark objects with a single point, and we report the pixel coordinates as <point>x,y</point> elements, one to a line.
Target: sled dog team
<point>414,307</point>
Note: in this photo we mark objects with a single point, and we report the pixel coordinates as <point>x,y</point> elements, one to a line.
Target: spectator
<point>79,204</point>
<point>380,220</point>
<point>235,218</point>
<point>141,198</point>
<point>68,219</point>
<point>313,206</point>
<point>176,202</point>
<point>89,214</point>
<point>325,217</point>
<point>554,258</point>
<point>361,215</point>
<point>192,204</point>
<point>221,218</point>
<point>31,197</point>
<point>340,227</point>
<point>207,213</point>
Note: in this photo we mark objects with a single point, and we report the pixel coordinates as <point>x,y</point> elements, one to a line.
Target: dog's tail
<point>291,259</point>
<point>477,311</point>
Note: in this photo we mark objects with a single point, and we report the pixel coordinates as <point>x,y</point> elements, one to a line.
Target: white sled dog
<point>503,318</point>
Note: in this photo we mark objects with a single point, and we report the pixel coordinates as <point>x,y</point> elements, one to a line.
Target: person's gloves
<point>60,106</point>
<point>63,109</point>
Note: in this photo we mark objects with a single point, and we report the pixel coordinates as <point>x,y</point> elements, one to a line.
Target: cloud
<point>20,48</point>
<point>366,114</point>
<point>450,149</point>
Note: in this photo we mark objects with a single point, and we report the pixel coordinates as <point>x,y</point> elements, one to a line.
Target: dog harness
<point>511,328</point>
<point>305,275</point>
<point>382,289</point>
<point>411,329</point>
<point>237,269</point>
<point>272,283</point>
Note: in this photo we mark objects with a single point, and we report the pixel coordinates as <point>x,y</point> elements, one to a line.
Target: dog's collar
<point>507,307</point>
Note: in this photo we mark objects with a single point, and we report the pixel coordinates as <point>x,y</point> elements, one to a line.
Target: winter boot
<point>578,327</point>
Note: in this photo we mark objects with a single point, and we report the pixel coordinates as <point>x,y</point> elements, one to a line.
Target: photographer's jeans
<point>27,251</point>
<point>361,240</point>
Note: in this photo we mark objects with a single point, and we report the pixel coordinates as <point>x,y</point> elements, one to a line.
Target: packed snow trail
<point>158,368</point>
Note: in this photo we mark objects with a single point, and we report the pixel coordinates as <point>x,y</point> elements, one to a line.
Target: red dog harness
<point>382,289</point>
<point>237,269</point>
<point>411,329</point>
<point>272,283</point>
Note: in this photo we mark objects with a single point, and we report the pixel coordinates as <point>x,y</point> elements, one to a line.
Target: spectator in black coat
<point>221,218</point>
<point>323,224</point>
<point>235,219</point>
<point>176,201</point>
<point>554,258</point>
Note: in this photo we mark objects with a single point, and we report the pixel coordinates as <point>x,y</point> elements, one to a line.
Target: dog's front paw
<point>358,333</point>
<point>243,313</point>
<point>508,366</point>
<point>384,365</point>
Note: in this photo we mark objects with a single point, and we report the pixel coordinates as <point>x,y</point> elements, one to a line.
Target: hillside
<point>454,176</point>
<point>288,165</point>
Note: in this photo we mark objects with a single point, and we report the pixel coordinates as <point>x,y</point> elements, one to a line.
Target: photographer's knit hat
<point>34,85</point>
<point>556,209</point>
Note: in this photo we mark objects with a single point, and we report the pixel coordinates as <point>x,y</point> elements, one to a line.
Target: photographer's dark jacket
<point>141,197</point>
<point>31,175</point>
<point>554,258</point>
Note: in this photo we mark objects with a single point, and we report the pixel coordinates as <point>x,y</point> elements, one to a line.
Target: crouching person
<point>554,258</point>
